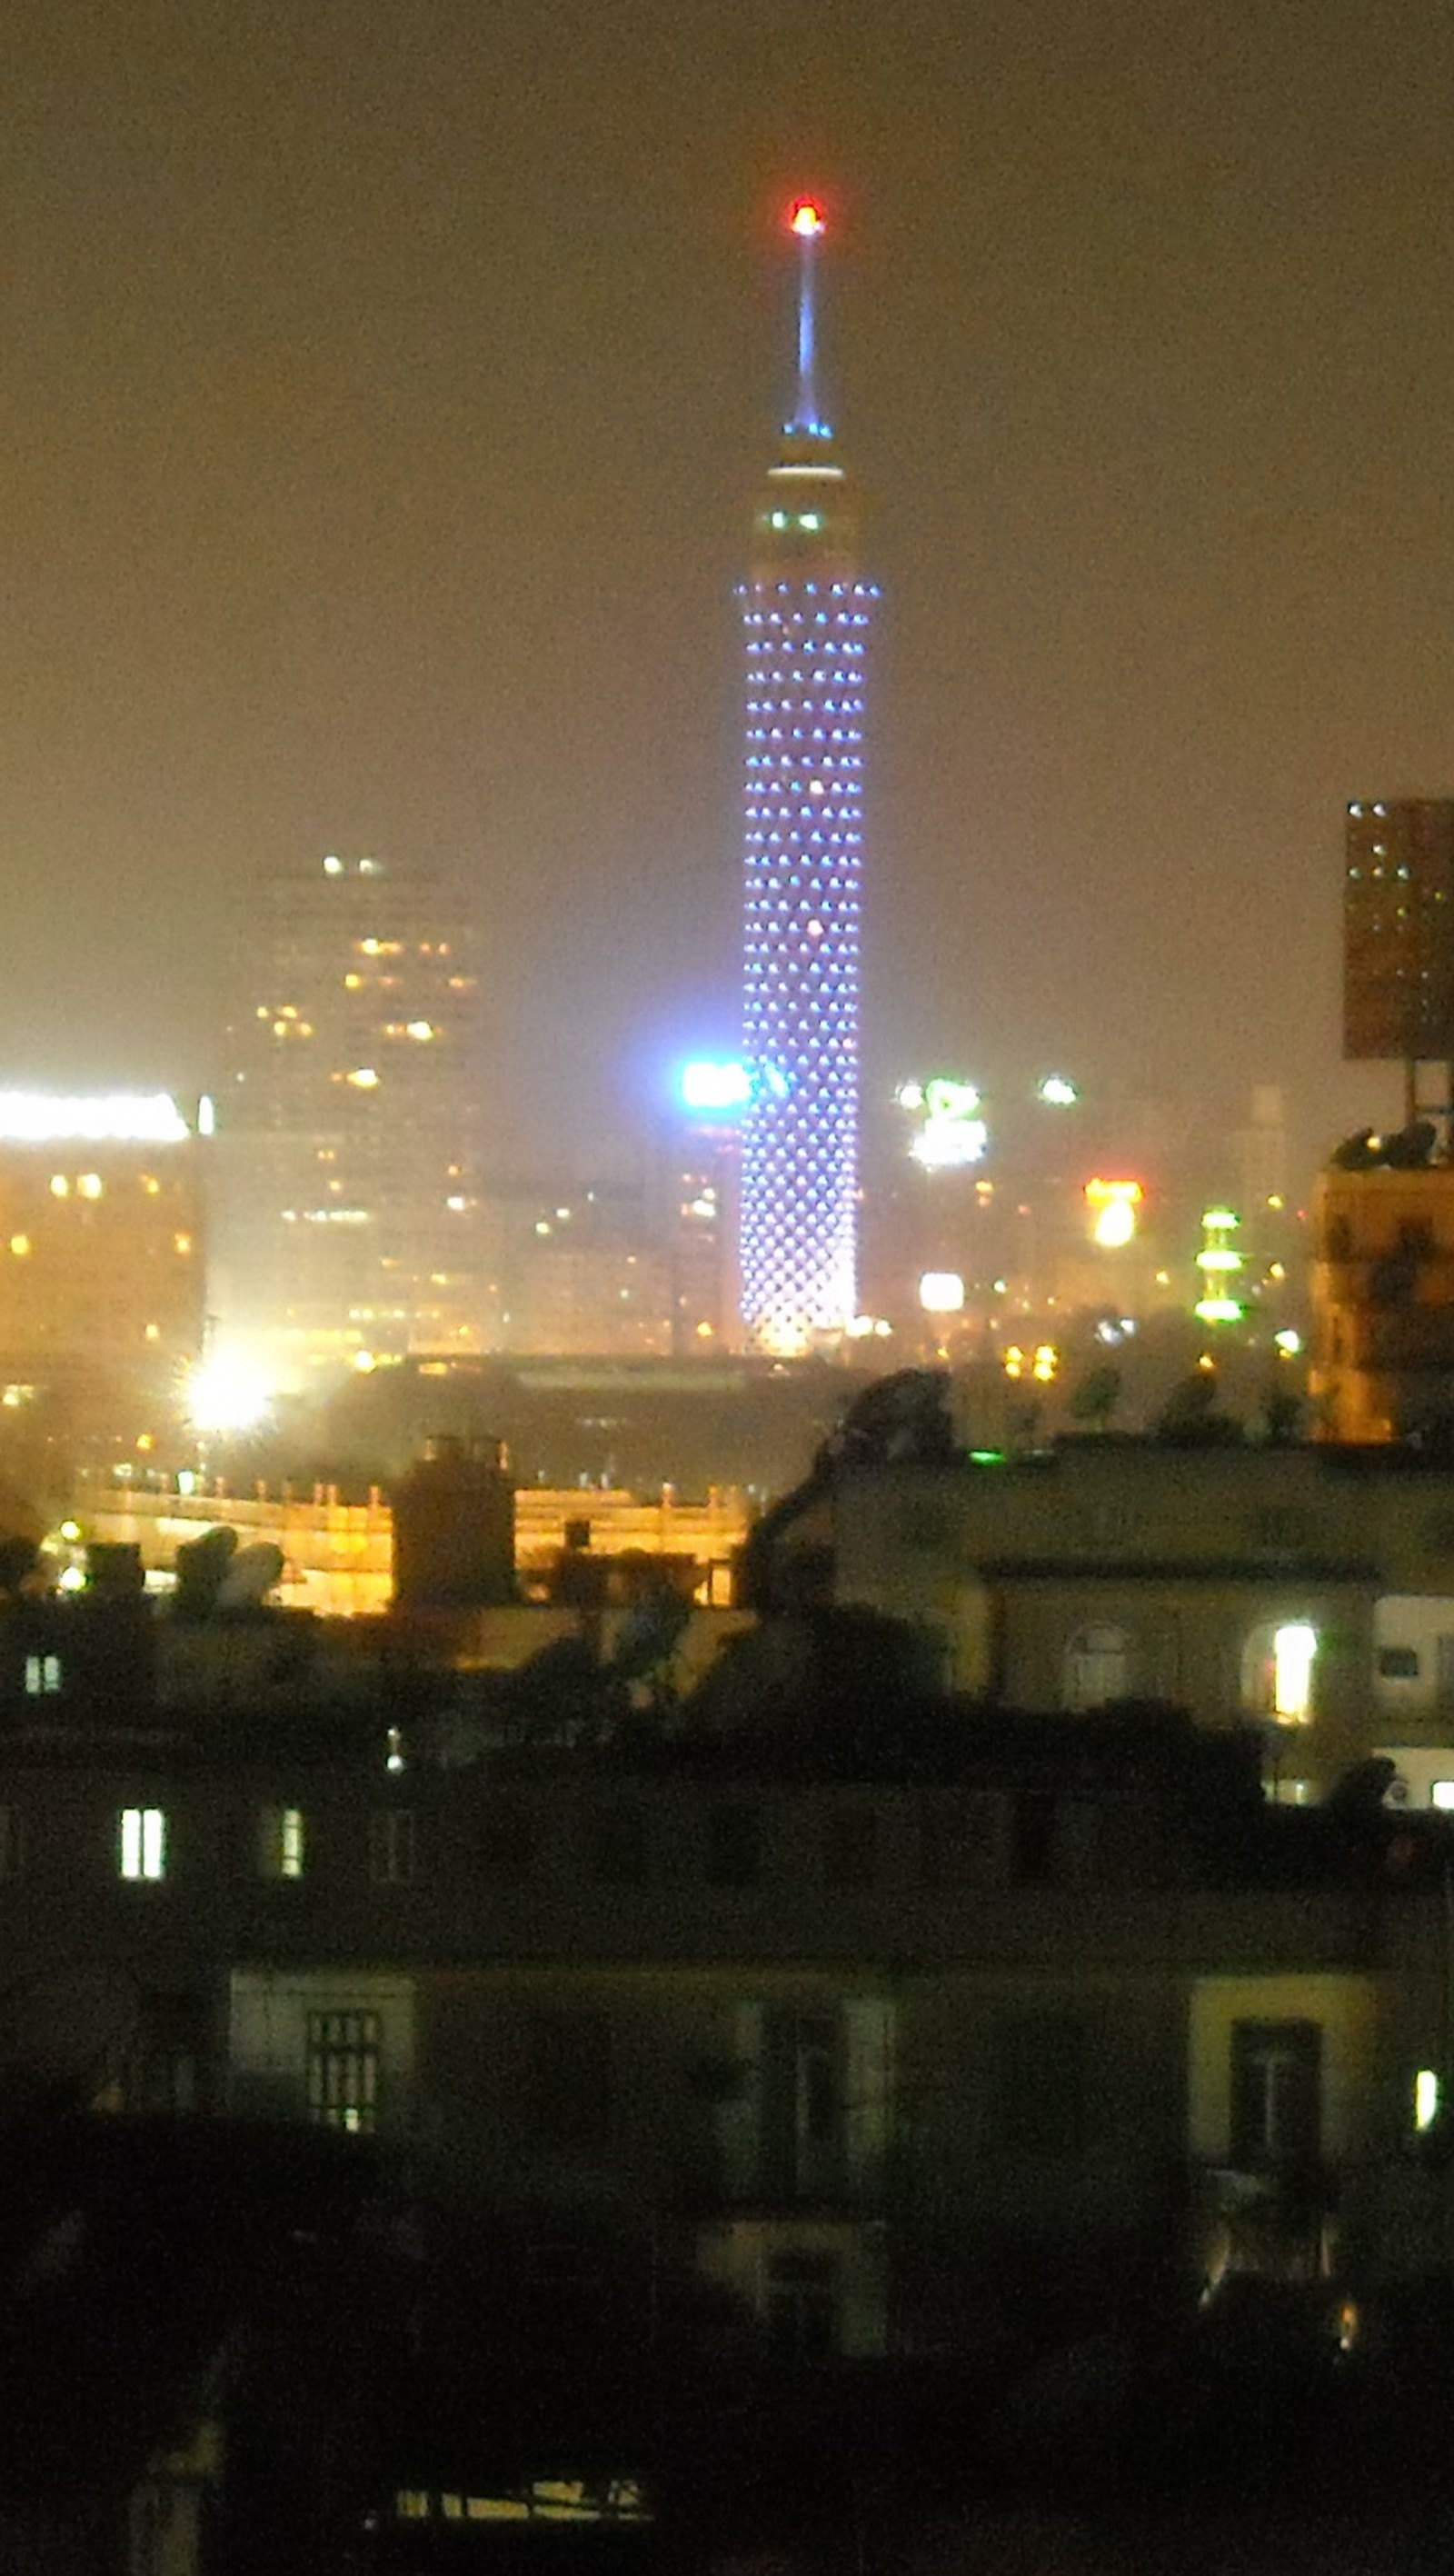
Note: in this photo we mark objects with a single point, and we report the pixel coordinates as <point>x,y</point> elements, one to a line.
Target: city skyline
<point>380,418</point>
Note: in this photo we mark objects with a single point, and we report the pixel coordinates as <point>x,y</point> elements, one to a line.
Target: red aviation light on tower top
<point>806,218</point>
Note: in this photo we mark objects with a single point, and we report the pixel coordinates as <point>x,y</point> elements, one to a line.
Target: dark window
<point>802,2306</point>
<point>570,2082</point>
<point>391,1847</point>
<point>1276,2109</point>
<point>1399,1663</point>
<point>961,1838</point>
<point>507,1839</point>
<point>1038,2085</point>
<point>343,2069</point>
<point>1034,1818</point>
<point>617,1837</point>
<point>803,2109</point>
<point>12,1843</point>
<point>734,1846</point>
<point>164,2062</point>
<point>850,1847</point>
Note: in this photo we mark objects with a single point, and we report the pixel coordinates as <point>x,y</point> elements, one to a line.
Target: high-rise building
<point>345,1214</point>
<point>101,1259</point>
<point>806,613</point>
<point>1398,933</point>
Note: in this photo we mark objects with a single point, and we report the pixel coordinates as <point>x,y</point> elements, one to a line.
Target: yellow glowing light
<point>1014,1361</point>
<point>364,1079</point>
<point>364,1362</point>
<point>1101,1193</point>
<point>60,1187</point>
<point>1114,1224</point>
<point>182,1243</point>
<point>229,1392</point>
<point>805,217</point>
<point>20,1245</point>
<point>1046,1362</point>
<point>90,1185</point>
<point>1293,1650</point>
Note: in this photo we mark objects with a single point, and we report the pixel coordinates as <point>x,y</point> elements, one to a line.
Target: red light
<point>805,216</point>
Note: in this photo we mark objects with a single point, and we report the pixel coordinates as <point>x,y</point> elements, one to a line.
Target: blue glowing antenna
<point>805,219</point>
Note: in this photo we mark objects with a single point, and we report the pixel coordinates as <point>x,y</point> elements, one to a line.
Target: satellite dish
<point>250,1577</point>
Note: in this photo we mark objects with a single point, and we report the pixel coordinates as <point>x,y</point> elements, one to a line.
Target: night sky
<point>384,393</point>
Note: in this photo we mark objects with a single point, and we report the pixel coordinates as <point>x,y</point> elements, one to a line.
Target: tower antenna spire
<point>806,221</point>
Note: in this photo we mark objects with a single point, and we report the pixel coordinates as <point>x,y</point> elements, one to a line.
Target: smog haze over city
<point>384,398</point>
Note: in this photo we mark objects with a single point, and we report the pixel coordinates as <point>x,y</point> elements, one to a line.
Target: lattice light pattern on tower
<point>806,617</point>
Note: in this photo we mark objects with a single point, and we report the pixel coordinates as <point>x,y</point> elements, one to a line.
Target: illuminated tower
<point>806,615</point>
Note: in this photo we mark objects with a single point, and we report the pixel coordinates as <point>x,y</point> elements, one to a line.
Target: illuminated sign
<point>1114,1204</point>
<point>941,1292</point>
<point>951,1134</point>
<point>1218,1261</point>
<point>109,1118</point>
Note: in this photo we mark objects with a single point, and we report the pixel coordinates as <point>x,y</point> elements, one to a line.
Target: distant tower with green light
<point>806,616</point>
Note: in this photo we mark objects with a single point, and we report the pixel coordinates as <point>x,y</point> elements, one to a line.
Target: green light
<point>1218,1310</point>
<point>1219,1217</point>
<point>987,1457</point>
<point>1219,1256</point>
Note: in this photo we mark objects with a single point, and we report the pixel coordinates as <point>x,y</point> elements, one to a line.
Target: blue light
<point>714,1084</point>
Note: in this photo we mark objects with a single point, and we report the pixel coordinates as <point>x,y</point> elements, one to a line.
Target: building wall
<point>1382,1360</point>
<point>338,1557</point>
<point>101,1260</point>
<point>829,2070</point>
<point>1193,1557</point>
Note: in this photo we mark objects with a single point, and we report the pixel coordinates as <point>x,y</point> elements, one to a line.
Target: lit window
<point>20,1245</point>
<point>343,2069</point>
<point>143,1843</point>
<point>90,1185</point>
<point>60,1187</point>
<point>282,1842</point>
<point>42,1675</point>
<point>1293,1649</point>
<point>1442,1794</point>
<point>1278,1670</point>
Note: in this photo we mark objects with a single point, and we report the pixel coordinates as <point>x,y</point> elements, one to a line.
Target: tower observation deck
<point>806,617</point>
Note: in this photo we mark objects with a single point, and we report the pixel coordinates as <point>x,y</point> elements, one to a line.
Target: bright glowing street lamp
<point>227,1393</point>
